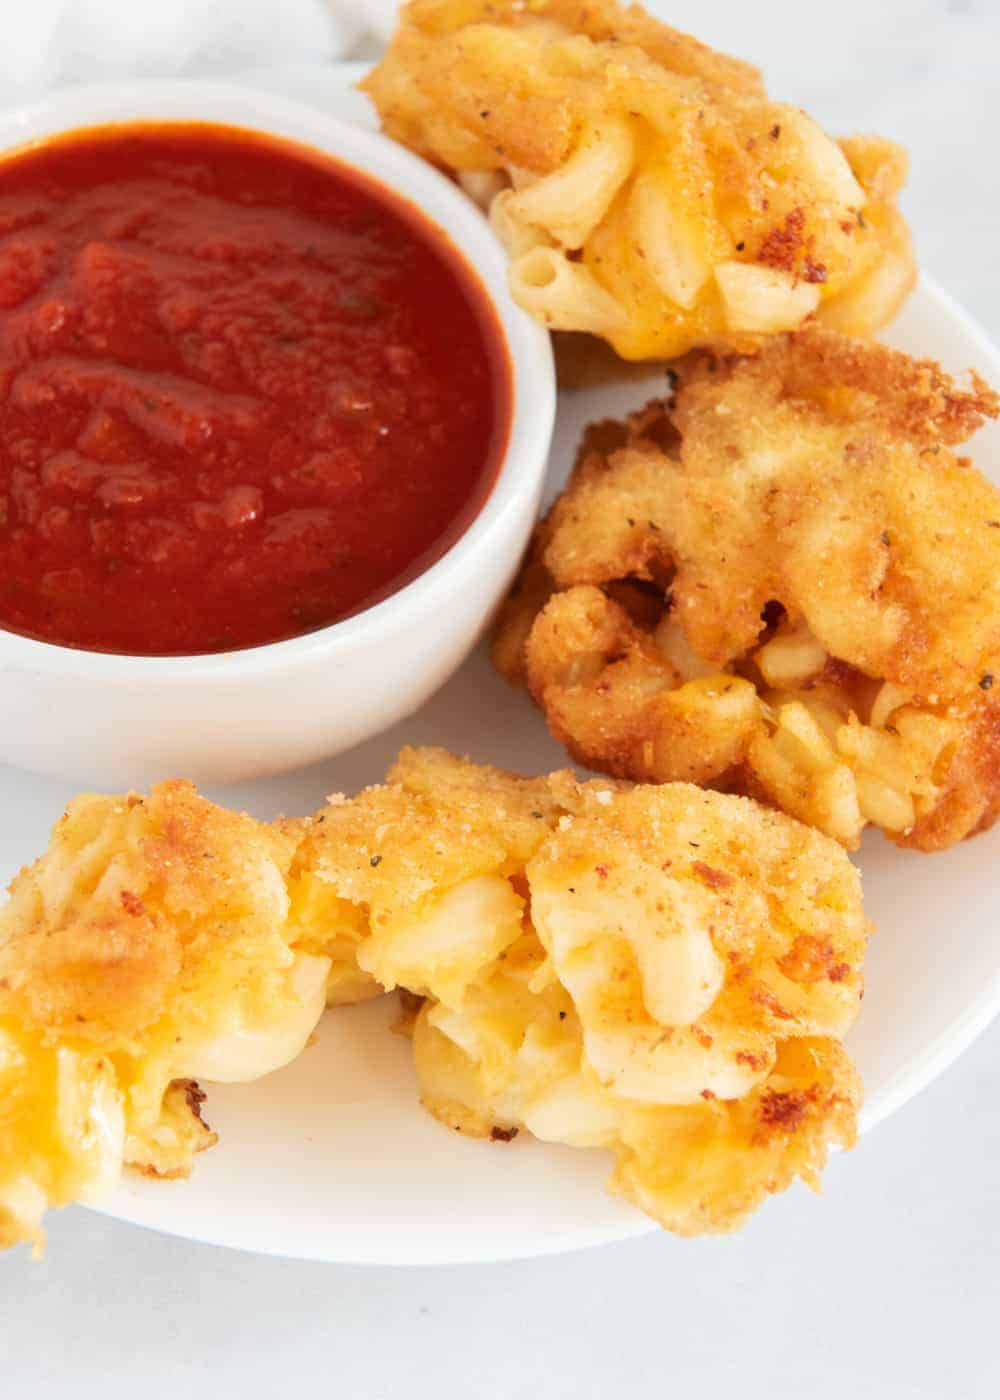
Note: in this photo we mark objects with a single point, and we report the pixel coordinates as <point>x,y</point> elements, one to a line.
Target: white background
<point>887,1287</point>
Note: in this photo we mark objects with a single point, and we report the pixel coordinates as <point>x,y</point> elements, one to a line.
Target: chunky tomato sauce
<point>243,391</point>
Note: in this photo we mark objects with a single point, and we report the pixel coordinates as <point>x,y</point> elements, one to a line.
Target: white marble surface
<point>888,1288</point>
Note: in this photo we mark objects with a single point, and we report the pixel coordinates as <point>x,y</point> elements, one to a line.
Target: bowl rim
<point>457,220</point>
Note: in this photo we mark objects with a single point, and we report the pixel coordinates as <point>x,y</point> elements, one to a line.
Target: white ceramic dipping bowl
<point>114,721</point>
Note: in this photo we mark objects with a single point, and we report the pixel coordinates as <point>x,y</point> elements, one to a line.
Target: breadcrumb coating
<point>781,582</point>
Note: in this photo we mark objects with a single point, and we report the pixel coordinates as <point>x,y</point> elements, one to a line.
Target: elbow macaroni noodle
<point>562,294</point>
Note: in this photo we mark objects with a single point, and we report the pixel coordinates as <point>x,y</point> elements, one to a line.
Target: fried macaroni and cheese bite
<point>647,189</point>
<point>664,972</point>
<point>780,582</point>
<point>154,945</point>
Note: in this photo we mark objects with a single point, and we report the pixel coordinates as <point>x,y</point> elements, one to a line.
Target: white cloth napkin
<point>53,43</point>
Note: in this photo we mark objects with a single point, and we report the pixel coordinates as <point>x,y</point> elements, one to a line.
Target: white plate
<point>333,1158</point>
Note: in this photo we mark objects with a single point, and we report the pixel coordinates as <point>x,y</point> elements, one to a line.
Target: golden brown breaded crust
<point>736,580</point>
<point>898,395</point>
<point>126,905</point>
<point>150,944</point>
<point>647,189</point>
<point>437,820</point>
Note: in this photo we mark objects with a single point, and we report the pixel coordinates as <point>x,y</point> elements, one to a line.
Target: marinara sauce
<point>244,391</point>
